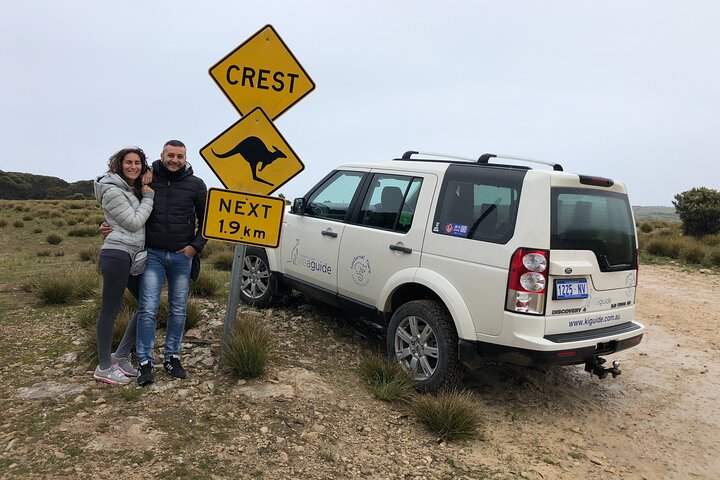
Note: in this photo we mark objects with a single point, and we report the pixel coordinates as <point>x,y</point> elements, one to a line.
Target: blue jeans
<point>162,264</point>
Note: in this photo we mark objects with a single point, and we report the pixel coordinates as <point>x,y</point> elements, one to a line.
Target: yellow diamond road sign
<point>262,72</point>
<point>243,218</point>
<point>252,156</point>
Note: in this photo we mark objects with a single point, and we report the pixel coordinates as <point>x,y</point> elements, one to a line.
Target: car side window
<point>390,202</point>
<point>478,204</point>
<point>332,199</point>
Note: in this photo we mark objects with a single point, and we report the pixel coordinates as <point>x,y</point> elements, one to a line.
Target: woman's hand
<point>146,188</point>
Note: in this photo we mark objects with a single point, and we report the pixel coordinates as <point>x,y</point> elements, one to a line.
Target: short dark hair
<point>174,143</point>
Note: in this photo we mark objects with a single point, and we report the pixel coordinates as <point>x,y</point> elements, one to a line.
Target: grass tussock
<point>206,285</point>
<point>3,223</point>
<point>89,254</point>
<point>223,261</point>
<point>385,379</point>
<point>451,414</point>
<point>213,247</point>
<point>54,239</point>
<point>192,314</point>
<point>89,231</point>
<point>18,224</point>
<point>248,348</point>
<point>55,289</point>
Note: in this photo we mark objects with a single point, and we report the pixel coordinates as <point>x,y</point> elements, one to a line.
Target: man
<point>172,238</point>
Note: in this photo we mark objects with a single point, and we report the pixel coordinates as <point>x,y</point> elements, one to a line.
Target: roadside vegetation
<point>665,243</point>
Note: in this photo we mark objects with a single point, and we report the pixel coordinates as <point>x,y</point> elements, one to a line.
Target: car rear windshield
<point>585,219</point>
<point>479,203</point>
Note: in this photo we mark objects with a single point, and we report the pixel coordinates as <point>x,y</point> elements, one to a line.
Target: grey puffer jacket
<point>124,212</point>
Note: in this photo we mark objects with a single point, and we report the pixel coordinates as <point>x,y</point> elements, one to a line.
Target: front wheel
<point>257,287</point>
<point>422,338</point>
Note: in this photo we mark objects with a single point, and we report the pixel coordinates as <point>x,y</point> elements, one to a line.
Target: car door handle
<point>329,233</point>
<point>399,248</point>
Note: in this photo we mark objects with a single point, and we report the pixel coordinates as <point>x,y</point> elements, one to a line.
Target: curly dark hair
<point>115,166</point>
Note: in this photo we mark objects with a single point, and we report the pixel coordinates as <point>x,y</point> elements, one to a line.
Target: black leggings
<point>116,277</point>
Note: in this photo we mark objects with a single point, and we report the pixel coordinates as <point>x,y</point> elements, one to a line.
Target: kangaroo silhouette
<point>254,152</point>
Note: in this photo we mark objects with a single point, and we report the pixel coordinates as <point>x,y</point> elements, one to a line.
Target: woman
<point>127,201</point>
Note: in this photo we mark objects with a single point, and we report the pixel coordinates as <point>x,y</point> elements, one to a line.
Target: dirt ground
<point>311,418</point>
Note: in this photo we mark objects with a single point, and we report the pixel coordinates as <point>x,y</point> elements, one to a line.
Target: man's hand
<point>147,178</point>
<point>188,251</point>
<point>105,229</point>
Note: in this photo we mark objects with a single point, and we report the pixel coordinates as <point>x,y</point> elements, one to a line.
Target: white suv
<point>462,261</point>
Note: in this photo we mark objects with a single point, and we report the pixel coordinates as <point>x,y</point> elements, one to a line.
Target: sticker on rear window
<point>456,229</point>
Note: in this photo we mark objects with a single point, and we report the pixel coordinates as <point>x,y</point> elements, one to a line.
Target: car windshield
<point>585,219</point>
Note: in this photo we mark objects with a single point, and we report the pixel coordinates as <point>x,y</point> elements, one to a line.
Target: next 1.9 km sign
<point>243,217</point>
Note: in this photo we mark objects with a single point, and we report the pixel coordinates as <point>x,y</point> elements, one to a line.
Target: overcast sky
<point>624,89</point>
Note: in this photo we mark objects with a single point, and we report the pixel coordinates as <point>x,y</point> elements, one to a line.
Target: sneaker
<point>112,376</point>
<point>146,373</point>
<point>173,367</point>
<point>125,365</point>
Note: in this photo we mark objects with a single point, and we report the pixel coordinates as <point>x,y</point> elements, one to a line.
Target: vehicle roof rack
<point>484,158</point>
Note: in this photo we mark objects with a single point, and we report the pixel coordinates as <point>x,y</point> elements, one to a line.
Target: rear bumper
<point>568,349</point>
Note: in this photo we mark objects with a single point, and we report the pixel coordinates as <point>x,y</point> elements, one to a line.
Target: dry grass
<point>247,349</point>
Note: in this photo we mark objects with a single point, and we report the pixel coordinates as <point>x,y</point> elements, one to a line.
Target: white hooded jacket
<point>124,212</point>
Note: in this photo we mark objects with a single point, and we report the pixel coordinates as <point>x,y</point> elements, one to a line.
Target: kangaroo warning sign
<point>252,156</point>
<point>243,217</point>
<point>262,72</point>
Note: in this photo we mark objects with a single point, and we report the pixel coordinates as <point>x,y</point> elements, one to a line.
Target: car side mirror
<point>298,206</point>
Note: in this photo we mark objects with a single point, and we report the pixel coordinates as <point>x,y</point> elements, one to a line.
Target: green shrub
<point>385,379</point>
<point>693,253</point>
<point>699,210</point>
<point>18,208</point>
<point>223,260</point>
<point>452,415</point>
<point>710,240</point>
<point>247,348</point>
<point>714,257</point>
<point>18,224</point>
<point>54,239</point>
<point>664,247</point>
<point>646,227</point>
<point>89,231</point>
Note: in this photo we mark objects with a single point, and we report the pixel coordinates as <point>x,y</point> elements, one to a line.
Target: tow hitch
<point>594,366</point>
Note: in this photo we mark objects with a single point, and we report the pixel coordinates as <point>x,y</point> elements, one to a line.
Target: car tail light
<point>527,281</point>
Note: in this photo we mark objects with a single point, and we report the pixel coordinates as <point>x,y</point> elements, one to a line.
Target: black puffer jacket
<point>179,203</point>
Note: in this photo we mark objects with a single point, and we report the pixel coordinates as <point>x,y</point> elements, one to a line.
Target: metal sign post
<point>235,284</point>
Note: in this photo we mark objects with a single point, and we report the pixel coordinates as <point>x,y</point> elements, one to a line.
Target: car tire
<point>421,337</point>
<point>258,287</point>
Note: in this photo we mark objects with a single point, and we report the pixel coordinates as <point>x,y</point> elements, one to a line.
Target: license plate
<point>569,289</point>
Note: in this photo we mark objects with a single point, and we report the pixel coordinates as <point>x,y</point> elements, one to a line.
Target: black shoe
<point>146,373</point>
<point>173,367</point>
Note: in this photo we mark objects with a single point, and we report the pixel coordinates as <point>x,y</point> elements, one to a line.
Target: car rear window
<point>479,203</point>
<point>585,219</point>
